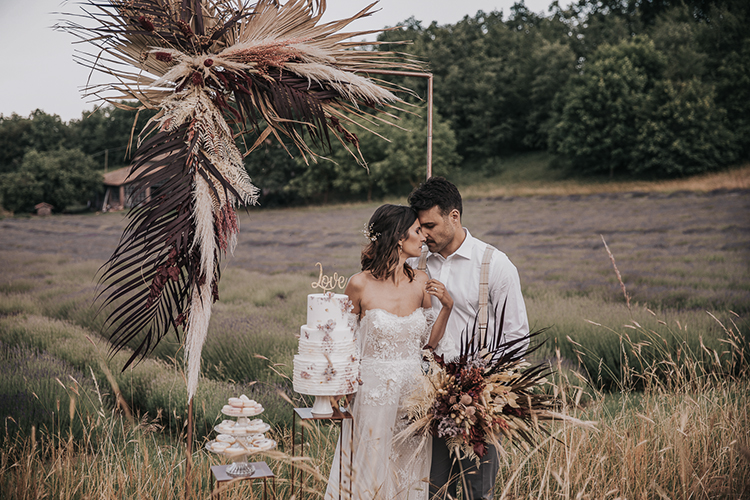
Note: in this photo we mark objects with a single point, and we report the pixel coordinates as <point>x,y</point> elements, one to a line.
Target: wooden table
<point>262,471</point>
<point>339,415</point>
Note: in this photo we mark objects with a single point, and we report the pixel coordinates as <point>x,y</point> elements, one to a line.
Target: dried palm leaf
<point>214,69</point>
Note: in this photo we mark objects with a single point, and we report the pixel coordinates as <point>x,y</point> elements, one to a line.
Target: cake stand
<point>240,466</point>
<point>322,406</point>
<point>247,441</point>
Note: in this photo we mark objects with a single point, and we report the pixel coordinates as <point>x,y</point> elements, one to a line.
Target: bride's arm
<point>354,290</point>
<point>437,289</point>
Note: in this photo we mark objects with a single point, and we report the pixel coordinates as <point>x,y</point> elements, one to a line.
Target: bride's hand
<point>437,289</point>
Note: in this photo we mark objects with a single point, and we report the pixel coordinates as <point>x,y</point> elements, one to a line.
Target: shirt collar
<point>463,251</point>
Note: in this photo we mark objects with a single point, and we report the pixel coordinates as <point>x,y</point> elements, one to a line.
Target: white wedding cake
<point>327,363</point>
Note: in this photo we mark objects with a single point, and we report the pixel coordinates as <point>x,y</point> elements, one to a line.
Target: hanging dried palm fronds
<point>216,70</point>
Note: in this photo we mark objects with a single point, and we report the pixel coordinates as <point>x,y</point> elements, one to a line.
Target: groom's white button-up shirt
<point>460,273</point>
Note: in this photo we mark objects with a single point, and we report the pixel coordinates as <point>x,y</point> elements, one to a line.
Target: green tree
<point>20,191</point>
<point>623,115</point>
<point>398,166</point>
<point>494,79</point>
<point>725,39</point>
<point>105,133</point>
<point>62,178</point>
<point>676,34</point>
<point>553,64</point>
<point>685,133</point>
<point>394,166</point>
<point>272,168</point>
<point>47,132</point>
<point>14,133</point>
<point>40,131</point>
<point>599,118</point>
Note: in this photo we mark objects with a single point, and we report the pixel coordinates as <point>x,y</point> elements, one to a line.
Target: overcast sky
<point>38,70</point>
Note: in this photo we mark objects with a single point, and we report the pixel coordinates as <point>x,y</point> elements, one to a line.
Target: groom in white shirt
<point>455,259</point>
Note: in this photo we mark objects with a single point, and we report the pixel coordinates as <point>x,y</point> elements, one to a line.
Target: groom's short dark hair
<point>436,191</point>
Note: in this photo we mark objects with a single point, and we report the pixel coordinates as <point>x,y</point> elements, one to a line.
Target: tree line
<point>644,87</point>
<point>43,159</point>
<point>648,88</point>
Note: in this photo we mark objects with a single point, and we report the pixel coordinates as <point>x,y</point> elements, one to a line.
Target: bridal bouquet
<point>485,393</point>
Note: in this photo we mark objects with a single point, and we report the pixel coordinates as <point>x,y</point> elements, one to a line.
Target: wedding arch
<point>217,71</point>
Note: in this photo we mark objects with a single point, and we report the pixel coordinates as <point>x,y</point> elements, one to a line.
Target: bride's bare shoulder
<point>357,282</point>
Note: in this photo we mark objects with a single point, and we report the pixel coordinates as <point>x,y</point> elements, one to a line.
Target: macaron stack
<point>244,436</point>
<point>242,407</point>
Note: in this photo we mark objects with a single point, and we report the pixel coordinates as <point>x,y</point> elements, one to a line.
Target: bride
<point>392,301</point>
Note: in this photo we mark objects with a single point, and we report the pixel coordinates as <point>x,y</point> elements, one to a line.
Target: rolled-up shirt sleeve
<point>504,282</point>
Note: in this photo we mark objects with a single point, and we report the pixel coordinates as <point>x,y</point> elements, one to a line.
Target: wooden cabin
<point>119,190</point>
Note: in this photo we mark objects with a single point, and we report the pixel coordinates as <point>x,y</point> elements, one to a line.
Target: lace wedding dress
<point>384,468</point>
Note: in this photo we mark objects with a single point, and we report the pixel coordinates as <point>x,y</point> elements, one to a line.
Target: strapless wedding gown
<point>390,361</point>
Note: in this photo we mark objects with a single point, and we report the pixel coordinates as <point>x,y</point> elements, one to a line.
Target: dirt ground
<point>668,247</point>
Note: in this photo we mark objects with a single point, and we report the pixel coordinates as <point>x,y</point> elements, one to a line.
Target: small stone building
<point>43,209</point>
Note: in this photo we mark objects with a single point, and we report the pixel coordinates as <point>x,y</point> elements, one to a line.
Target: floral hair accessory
<point>367,231</point>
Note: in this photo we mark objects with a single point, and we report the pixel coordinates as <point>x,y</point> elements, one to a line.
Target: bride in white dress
<point>396,322</point>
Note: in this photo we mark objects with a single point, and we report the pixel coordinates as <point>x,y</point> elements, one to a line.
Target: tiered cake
<point>327,363</point>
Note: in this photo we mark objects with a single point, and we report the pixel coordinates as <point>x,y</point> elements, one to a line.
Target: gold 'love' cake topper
<point>328,283</point>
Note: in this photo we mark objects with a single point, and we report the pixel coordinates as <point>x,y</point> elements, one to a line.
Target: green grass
<point>37,389</point>
<point>676,366</point>
<point>253,337</point>
<point>528,169</point>
<point>683,436</point>
<point>15,287</point>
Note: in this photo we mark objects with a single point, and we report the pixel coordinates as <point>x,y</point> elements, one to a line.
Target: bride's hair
<point>387,225</point>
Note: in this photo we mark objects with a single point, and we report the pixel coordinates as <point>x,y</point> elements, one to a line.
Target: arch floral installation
<point>218,72</point>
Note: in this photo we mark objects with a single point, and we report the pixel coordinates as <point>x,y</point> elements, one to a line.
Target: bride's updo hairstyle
<point>387,225</point>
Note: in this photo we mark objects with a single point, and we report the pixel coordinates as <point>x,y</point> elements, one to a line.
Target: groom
<point>455,259</point>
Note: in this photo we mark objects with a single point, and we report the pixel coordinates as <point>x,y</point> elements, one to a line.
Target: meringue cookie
<point>219,447</point>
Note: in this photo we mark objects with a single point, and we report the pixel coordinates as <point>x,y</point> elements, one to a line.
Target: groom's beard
<point>432,246</point>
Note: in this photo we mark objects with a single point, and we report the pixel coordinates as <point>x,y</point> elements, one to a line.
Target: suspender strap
<point>484,289</point>
<point>422,264</point>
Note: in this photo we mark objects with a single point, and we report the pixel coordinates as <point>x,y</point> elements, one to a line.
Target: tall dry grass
<point>683,436</point>
<point>118,457</point>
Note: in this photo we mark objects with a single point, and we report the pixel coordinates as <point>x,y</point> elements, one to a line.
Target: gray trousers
<point>445,474</point>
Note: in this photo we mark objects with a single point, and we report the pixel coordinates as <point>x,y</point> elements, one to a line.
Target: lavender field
<point>679,250</point>
<point>666,378</point>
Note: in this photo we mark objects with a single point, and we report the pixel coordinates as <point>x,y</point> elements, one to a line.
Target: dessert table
<point>306,414</point>
<point>260,471</point>
<point>237,440</point>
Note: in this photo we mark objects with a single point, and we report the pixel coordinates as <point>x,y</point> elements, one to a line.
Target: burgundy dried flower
<point>146,23</point>
<point>208,63</point>
<point>163,56</point>
<point>185,28</point>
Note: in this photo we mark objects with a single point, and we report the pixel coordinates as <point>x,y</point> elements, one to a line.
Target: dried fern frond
<point>214,69</point>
